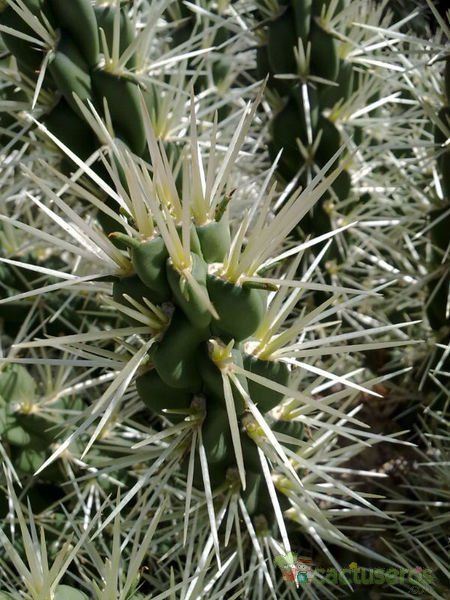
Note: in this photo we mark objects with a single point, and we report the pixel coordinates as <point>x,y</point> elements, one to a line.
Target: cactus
<point>213,354</point>
<point>188,24</point>
<point>319,63</point>
<point>182,390</point>
<point>203,337</point>
<point>71,33</point>
<point>300,44</point>
<point>440,221</point>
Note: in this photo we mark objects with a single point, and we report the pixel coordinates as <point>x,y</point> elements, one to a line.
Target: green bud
<point>330,141</point>
<point>70,72</point>
<point>29,460</point>
<point>330,94</point>
<point>215,240</point>
<point>77,17</point>
<point>282,39</point>
<point>324,53</point>
<point>187,297</point>
<point>133,287</point>
<point>66,592</point>
<point>105,15</point>
<point>16,384</point>
<point>240,309</point>
<point>157,395</point>
<point>176,356</point>
<point>302,14</point>
<point>263,69</point>
<point>286,130</point>
<point>15,435</point>
<point>120,92</point>
<point>275,371</point>
<point>149,259</point>
<point>217,436</point>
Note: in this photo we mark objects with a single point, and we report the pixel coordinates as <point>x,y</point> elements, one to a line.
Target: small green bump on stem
<point>215,240</point>
<point>77,17</point>
<point>275,371</point>
<point>176,358</point>
<point>149,259</point>
<point>190,291</point>
<point>216,435</point>
<point>240,310</point>
<point>70,72</point>
<point>66,592</point>
<point>158,396</point>
<point>119,91</point>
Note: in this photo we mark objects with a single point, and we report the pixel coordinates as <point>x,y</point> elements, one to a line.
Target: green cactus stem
<point>215,240</point>
<point>77,17</point>
<point>158,396</point>
<point>212,379</point>
<point>240,309</point>
<point>275,371</point>
<point>149,259</point>
<point>176,356</point>
<point>191,298</point>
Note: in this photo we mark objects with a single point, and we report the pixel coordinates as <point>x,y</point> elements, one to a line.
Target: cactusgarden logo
<point>299,570</point>
<point>294,568</point>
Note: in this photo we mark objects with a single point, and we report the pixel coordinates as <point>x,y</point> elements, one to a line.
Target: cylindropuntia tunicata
<point>25,428</point>
<point>437,307</point>
<point>79,54</point>
<point>301,54</point>
<point>215,364</point>
<point>234,390</point>
<point>72,50</point>
<point>315,74</point>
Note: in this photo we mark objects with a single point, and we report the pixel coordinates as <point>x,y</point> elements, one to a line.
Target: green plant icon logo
<point>295,569</point>
<point>302,577</point>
